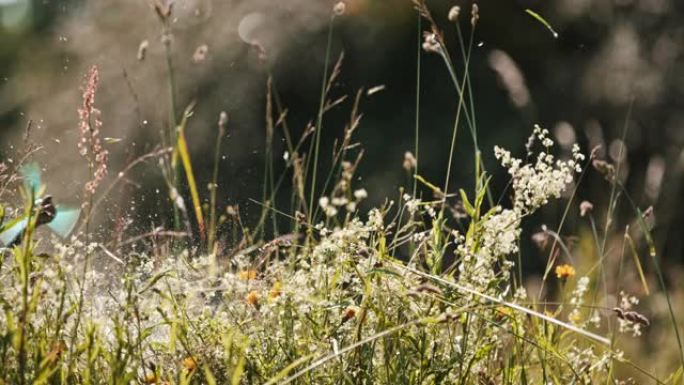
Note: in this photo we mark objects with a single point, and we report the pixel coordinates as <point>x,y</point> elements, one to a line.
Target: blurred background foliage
<point>615,64</point>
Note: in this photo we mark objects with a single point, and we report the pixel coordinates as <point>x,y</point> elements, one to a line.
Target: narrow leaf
<point>637,263</point>
<point>540,19</point>
<point>182,148</point>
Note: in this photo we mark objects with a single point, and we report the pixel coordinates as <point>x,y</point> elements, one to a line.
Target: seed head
<point>631,316</point>
<point>647,213</point>
<point>453,13</point>
<point>541,239</point>
<point>163,8</point>
<point>339,8</point>
<point>223,121</point>
<point>142,49</point>
<point>200,54</point>
<point>474,14</point>
<point>431,42</point>
<point>410,161</point>
<point>90,145</point>
<point>604,168</point>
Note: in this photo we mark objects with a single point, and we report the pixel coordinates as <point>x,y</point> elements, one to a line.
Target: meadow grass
<point>427,288</point>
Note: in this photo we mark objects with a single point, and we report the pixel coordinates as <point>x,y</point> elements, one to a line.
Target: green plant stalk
<point>25,272</point>
<point>268,182</point>
<point>466,55</point>
<point>340,155</point>
<point>172,132</point>
<point>661,278</point>
<point>319,122</point>
<point>184,154</point>
<point>444,53</point>
<point>614,336</point>
<point>86,262</point>
<point>292,149</point>
<point>467,82</point>
<point>454,134</point>
<point>416,147</point>
<point>271,181</point>
<point>211,236</point>
<point>612,201</point>
<point>548,267</point>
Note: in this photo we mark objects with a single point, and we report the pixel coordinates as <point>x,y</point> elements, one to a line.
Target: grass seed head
<point>453,13</point>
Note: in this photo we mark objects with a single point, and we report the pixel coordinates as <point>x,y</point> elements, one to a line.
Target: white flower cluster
<point>587,363</point>
<point>534,184</point>
<point>577,300</point>
<point>501,233</point>
<point>342,196</point>
<point>331,207</point>
<point>626,324</point>
<point>412,204</point>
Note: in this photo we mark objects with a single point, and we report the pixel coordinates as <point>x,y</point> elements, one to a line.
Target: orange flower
<point>252,298</point>
<point>565,271</point>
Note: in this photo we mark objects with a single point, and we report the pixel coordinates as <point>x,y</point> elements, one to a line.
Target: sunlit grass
<point>428,288</point>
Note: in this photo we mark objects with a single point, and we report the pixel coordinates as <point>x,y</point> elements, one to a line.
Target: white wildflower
<point>375,220</point>
<point>360,194</point>
<point>535,183</point>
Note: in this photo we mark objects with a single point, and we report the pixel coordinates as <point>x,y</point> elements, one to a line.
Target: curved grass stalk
<point>184,154</point>
<point>511,305</point>
<point>346,349</point>
<point>281,379</point>
<point>656,263</point>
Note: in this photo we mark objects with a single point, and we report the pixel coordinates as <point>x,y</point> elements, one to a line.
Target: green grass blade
<point>184,153</point>
<point>540,19</point>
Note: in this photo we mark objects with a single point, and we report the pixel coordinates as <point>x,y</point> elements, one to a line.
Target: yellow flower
<point>504,311</point>
<point>252,298</point>
<point>276,290</point>
<point>150,378</point>
<point>575,317</point>
<point>247,275</point>
<point>189,364</point>
<point>565,271</point>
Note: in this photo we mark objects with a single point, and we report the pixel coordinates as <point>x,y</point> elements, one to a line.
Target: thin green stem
<point>214,184</point>
<point>172,133</point>
<point>319,122</point>
<point>416,147</point>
